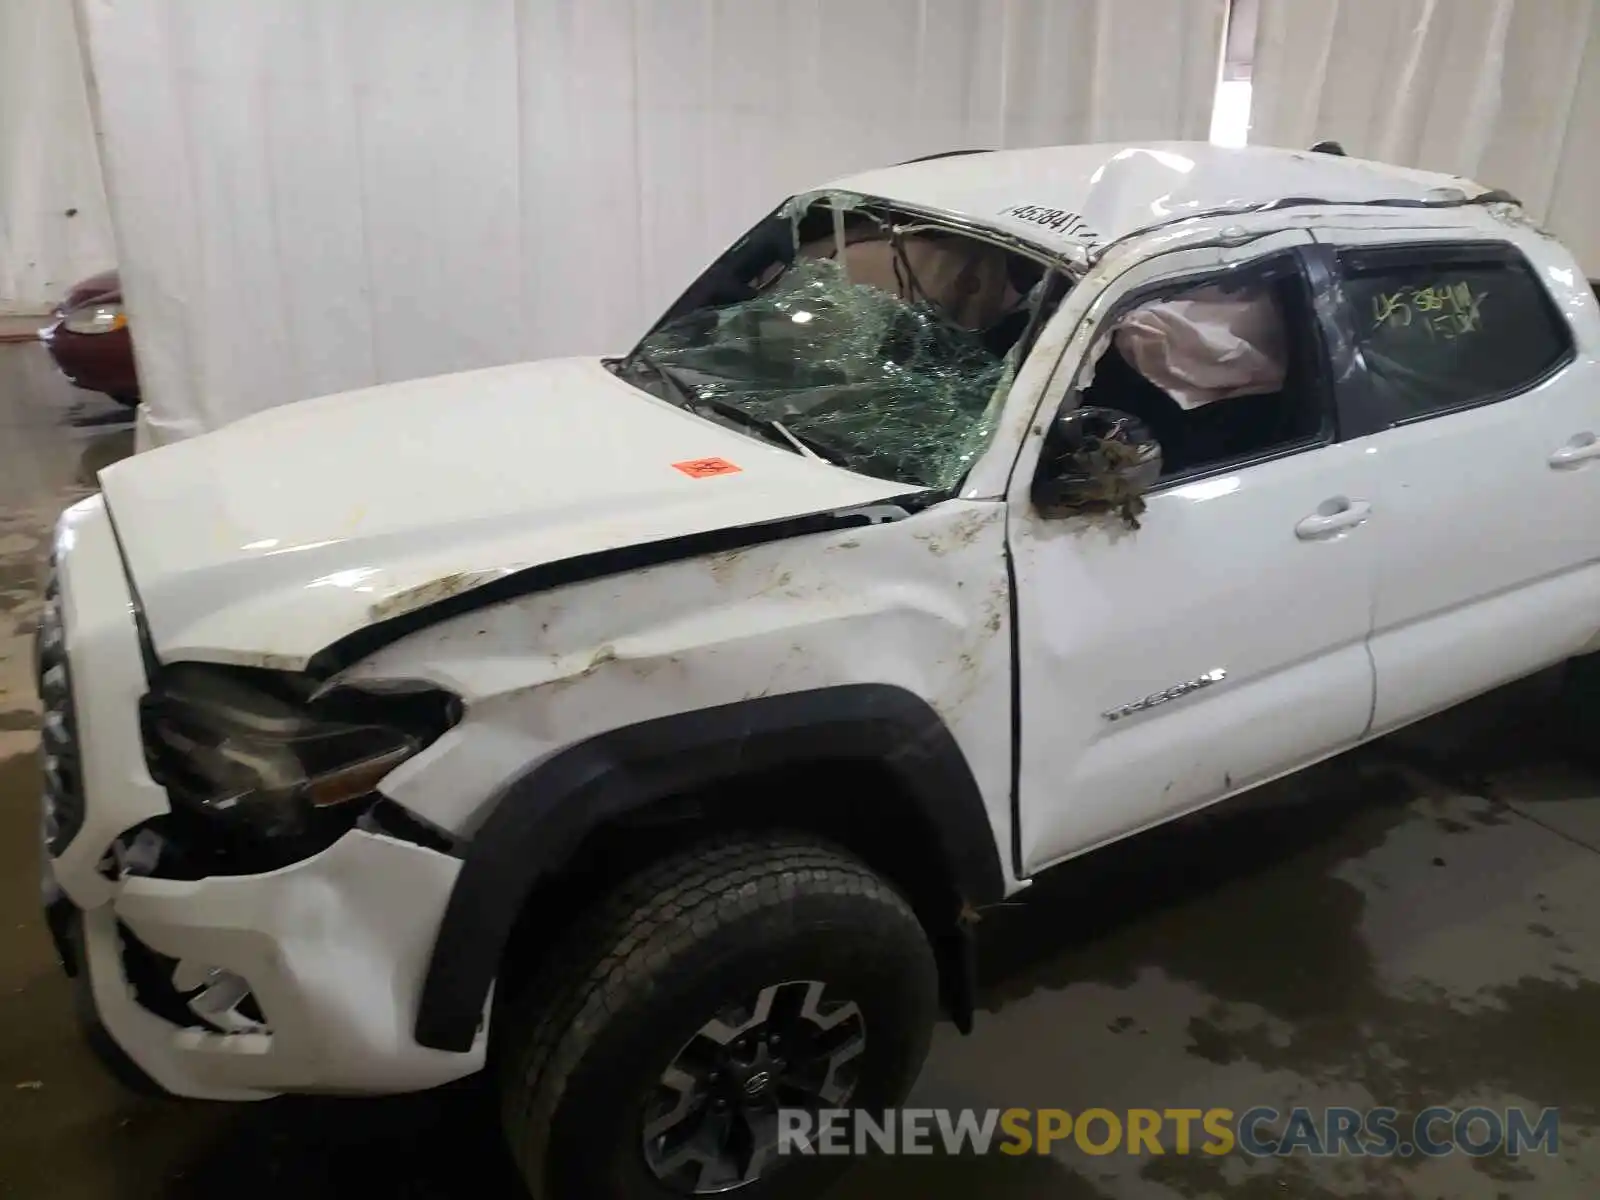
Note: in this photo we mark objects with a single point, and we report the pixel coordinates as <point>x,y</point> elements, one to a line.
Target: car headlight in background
<point>266,757</point>
<point>96,318</point>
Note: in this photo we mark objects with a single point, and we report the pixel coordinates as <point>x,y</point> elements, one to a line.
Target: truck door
<point>1484,427</point>
<point>1223,640</point>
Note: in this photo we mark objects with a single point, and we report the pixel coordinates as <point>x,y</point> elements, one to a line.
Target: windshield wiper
<point>810,445</point>
<point>687,397</point>
<point>679,395</point>
<point>767,428</point>
<point>795,441</point>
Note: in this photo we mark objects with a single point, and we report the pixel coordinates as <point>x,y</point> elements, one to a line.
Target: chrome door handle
<point>1332,518</point>
<point>1580,449</point>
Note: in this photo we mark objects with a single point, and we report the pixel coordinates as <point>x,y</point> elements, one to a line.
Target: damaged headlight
<point>269,756</point>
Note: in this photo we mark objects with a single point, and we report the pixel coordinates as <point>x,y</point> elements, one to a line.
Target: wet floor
<point>1412,925</point>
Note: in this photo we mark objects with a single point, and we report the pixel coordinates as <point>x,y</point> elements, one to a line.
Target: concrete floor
<point>1414,924</point>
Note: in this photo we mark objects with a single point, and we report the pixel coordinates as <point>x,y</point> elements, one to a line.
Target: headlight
<point>262,753</point>
<point>96,318</point>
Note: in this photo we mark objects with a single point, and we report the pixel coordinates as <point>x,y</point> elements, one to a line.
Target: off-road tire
<point>580,1049</point>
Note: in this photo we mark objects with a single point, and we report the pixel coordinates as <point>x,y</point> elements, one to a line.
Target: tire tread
<point>613,954</point>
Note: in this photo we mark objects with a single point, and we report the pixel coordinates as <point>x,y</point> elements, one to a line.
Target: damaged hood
<point>266,541</point>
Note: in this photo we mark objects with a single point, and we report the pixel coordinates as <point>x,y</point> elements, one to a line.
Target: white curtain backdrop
<point>314,195</point>
<point>1504,91</point>
<point>53,224</point>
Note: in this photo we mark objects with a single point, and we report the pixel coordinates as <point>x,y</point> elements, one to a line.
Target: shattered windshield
<point>883,349</point>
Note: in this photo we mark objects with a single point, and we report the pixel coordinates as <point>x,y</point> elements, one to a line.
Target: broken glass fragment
<point>876,383</point>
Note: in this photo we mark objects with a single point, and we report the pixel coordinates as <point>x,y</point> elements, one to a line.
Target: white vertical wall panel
<point>1503,91</point>
<point>53,223</point>
<point>314,195</point>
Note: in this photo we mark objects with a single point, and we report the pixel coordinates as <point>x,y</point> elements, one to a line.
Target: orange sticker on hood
<point>704,468</point>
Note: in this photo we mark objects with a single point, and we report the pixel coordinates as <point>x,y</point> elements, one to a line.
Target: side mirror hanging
<point>1096,460</point>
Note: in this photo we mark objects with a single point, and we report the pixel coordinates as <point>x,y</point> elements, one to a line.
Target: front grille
<point>58,729</point>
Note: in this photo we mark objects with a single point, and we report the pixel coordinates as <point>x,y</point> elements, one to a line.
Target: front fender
<point>539,819</point>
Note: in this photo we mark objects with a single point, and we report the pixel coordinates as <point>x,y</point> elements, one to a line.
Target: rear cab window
<point>1445,327</point>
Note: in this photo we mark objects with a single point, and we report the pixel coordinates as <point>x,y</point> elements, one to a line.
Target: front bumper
<point>333,949</point>
<point>65,923</point>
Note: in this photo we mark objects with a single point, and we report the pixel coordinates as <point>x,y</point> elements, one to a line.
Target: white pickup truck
<point>653,730</point>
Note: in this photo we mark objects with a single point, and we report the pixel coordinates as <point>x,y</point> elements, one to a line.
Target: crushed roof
<point>1087,196</point>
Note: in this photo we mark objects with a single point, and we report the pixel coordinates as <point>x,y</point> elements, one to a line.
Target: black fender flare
<point>539,820</point>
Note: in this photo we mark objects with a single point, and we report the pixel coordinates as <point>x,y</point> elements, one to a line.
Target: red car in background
<point>88,338</point>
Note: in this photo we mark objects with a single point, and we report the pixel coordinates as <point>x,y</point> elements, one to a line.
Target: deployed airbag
<point>1207,344</point>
